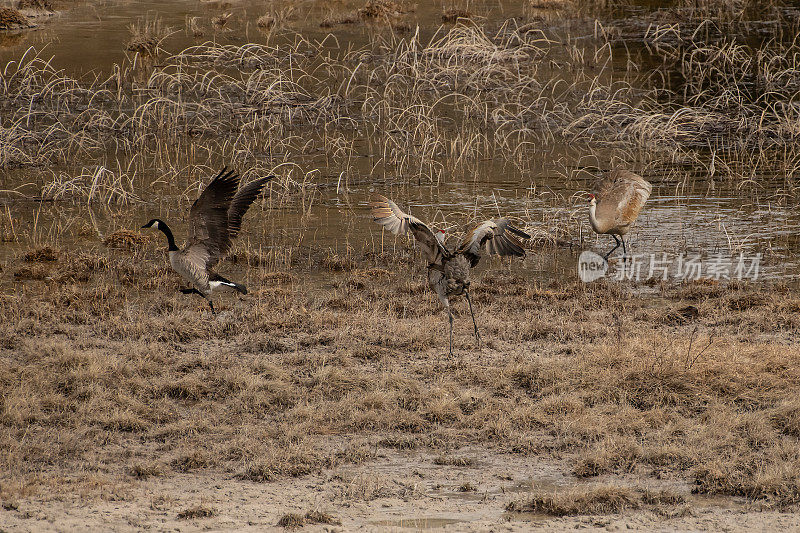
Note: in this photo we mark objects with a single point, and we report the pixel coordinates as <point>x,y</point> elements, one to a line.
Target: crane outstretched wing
<point>386,213</point>
<point>497,237</point>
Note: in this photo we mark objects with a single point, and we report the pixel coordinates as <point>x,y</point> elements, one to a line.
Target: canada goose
<point>448,272</point>
<point>620,197</point>
<point>214,221</point>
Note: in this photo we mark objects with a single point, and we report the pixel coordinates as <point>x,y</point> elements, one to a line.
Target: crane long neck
<point>170,239</point>
<point>593,217</point>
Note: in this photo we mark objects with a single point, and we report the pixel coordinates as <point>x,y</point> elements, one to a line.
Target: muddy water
<point>682,219</point>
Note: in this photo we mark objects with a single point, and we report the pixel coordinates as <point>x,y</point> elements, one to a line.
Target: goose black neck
<point>170,239</point>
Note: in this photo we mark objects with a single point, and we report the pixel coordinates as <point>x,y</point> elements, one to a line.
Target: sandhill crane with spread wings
<point>214,221</point>
<point>448,272</point>
<point>613,210</point>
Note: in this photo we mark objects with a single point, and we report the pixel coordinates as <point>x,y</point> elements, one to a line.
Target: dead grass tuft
<point>191,461</point>
<point>280,277</point>
<point>548,4</point>
<point>146,470</point>
<point>339,18</point>
<point>11,19</point>
<point>451,16</point>
<point>319,517</point>
<point>44,254</point>
<point>31,272</point>
<point>452,460</point>
<point>197,511</point>
<point>292,521</point>
<point>147,36</point>
<point>266,22</point>
<point>375,9</point>
<point>125,239</point>
<point>41,5</point>
<point>598,499</point>
<point>610,454</point>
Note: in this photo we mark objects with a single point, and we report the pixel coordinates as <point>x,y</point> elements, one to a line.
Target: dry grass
<point>445,460</point>
<point>12,19</point>
<point>453,15</point>
<point>292,521</point>
<point>41,255</point>
<point>116,359</point>
<point>125,239</point>
<point>381,9</point>
<point>197,511</point>
<point>147,36</point>
<point>599,499</point>
<point>106,367</point>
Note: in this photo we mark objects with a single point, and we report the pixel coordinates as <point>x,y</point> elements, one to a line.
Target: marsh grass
<point>424,110</point>
<point>116,357</point>
<point>147,35</point>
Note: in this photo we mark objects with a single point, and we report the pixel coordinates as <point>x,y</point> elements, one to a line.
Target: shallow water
<point>695,216</point>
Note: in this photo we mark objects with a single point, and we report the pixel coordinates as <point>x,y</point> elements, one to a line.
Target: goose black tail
<point>222,281</point>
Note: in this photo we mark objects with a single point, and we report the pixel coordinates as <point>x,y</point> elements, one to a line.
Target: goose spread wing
<point>497,237</point>
<point>386,213</point>
<point>239,205</point>
<point>208,217</point>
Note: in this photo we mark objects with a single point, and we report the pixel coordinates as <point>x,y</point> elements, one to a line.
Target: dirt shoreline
<point>405,492</point>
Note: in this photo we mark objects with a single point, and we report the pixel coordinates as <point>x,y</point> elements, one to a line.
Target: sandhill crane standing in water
<point>621,195</point>
<point>214,221</point>
<point>448,272</point>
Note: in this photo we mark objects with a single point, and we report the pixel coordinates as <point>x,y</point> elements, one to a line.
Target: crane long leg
<point>450,315</point>
<point>624,250</point>
<point>611,251</point>
<point>474,322</point>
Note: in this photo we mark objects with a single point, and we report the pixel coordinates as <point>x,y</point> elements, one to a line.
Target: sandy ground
<point>398,491</point>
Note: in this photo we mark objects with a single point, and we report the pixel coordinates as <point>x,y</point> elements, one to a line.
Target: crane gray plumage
<point>620,196</point>
<point>448,272</point>
<point>215,219</point>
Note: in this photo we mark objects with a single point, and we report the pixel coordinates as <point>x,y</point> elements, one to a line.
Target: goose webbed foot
<point>190,291</point>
